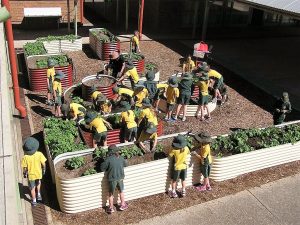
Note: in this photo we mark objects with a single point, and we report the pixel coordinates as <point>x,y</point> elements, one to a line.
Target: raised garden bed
<point>37,71</point>
<point>113,136</point>
<point>140,180</point>
<point>137,59</point>
<point>55,44</point>
<point>103,42</point>
<point>103,83</point>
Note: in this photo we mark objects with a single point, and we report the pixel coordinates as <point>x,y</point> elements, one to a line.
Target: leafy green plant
<point>89,172</point>
<point>59,60</point>
<point>159,148</point>
<point>70,37</point>
<point>133,56</point>
<point>151,66</point>
<point>34,48</point>
<point>61,135</point>
<point>114,120</point>
<point>104,36</point>
<point>75,162</point>
<point>190,142</point>
<point>77,99</point>
<point>99,153</point>
<point>129,151</point>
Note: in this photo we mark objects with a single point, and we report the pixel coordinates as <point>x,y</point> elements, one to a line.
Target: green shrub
<point>89,172</point>
<point>59,60</point>
<point>133,56</point>
<point>34,48</point>
<point>99,153</point>
<point>70,37</point>
<point>129,151</point>
<point>75,162</point>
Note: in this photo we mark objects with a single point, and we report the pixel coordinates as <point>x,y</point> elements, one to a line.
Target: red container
<point>113,136</point>
<point>87,90</point>
<point>195,92</point>
<point>38,78</point>
<point>140,65</point>
<point>108,48</point>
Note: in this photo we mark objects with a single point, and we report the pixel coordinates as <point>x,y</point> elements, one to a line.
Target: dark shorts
<point>170,107</point>
<point>131,133</point>
<point>203,100</point>
<point>205,170</point>
<point>179,174</point>
<point>112,185</point>
<point>218,83</point>
<point>184,99</point>
<point>100,137</point>
<point>33,183</point>
<point>50,87</point>
<point>58,101</point>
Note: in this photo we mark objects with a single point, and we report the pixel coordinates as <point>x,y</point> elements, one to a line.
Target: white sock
<point>34,199</point>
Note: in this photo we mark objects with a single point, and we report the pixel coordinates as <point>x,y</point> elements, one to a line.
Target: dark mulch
<point>161,204</point>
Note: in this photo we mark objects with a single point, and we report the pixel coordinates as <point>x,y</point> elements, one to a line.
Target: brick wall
<point>17,8</point>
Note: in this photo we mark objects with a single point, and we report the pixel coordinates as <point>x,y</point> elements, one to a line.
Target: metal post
<point>75,18</point>
<point>205,19</point>
<point>141,20</point>
<point>69,19</point>
<point>195,18</point>
<point>126,15</point>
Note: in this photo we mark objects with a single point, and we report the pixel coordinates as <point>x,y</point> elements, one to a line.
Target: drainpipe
<point>13,63</point>
<point>81,11</point>
<point>141,19</point>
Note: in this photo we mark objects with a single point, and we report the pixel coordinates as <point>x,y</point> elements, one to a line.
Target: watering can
<point>4,14</point>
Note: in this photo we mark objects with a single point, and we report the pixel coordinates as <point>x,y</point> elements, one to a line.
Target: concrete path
<point>276,203</point>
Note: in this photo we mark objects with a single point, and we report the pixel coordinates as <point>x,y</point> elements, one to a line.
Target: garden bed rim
<point>94,76</point>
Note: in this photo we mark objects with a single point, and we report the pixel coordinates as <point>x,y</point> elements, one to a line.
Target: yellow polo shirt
<point>214,73</point>
<point>205,152</point>
<point>98,125</point>
<point>172,94</point>
<point>140,96</point>
<point>34,163</point>
<point>57,87</point>
<point>95,94</point>
<point>203,87</point>
<point>144,136</point>
<point>51,73</point>
<point>125,91</point>
<point>180,158</point>
<point>151,117</point>
<point>189,66</point>
<point>162,85</point>
<point>136,40</point>
<point>129,118</point>
<point>75,108</point>
<point>133,74</point>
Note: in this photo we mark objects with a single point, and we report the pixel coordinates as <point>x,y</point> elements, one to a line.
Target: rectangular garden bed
<point>56,44</point>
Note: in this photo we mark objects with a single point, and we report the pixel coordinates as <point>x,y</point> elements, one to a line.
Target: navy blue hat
<point>31,145</point>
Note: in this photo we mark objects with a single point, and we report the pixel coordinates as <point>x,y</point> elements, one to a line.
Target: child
<point>95,94</point>
<point>104,105</point>
<point>114,165</point>
<point>180,151</point>
<point>203,85</point>
<point>135,42</point>
<point>131,73</point>
<point>74,110</point>
<point>188,66</point>
<point>98,126</point>
<point>123,94</point>
<point>128,122</point>
<point>205,159</point>
<point>219,80</point>
<point>57,92</point>
<point>185,92</point>
<point>33,164</point>
<point>140,92</point>
<point>50,79</point>
<point>172,94</point>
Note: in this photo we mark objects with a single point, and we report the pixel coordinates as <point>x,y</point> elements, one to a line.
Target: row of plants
<point>59,60</point>
<point>62,136</point>
<point>78,162</point>
<point>248,140</point>
<point>69,37</point>
<point>104,35</point>
<point>133,56</point>
<point>34,48</point>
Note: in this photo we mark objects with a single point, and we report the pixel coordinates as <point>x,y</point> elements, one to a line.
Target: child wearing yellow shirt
<point>34,167</point>
<point>180,152</point>
<point>140,92</point>
<point>203,85</point>
<point>73,110</point>
<point>57,92</point>
<point>50,79</point>
<point>131,73</point>
<point>128,122</point>
<point>172,94</point>
<point>188,66</point>
<point>135,42</point>
<point>205,159</point>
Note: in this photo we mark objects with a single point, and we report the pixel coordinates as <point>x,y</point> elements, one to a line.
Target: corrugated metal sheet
<point>288,6</point>
<point>63,46</point>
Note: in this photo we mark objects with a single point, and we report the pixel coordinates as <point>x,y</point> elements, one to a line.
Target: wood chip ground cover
<point>247,107</point>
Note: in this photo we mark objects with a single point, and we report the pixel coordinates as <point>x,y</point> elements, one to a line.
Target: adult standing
<point>281,108</point>
<point>116,64</point>
<point>114,165</point>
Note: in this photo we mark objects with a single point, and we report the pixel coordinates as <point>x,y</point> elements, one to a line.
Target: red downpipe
<point>81,11</point>
<point>13,63</point>
<point>141,19</point>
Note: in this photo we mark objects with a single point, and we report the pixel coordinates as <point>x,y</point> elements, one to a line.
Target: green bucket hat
<point>125,106</point>
<point>151,128</point>
<point>101,98</point>
<point>187,76</point>
<point>179,141</point>
<point>203,137</point>
<point>65,108</point>
<point>89,117</point>
<point>59,75</point>
<point>204,76</point>
<point>146,102</point>
<point>113,149</point>
<point>204,67</point>
<point>31,145</point>
<point>173,82</point>
<point>115,89</point>
<point>51,63</point>
<point>129,65</point>
<point>150,76</point>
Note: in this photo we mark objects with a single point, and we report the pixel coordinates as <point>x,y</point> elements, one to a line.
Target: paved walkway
<point>276,203</point>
